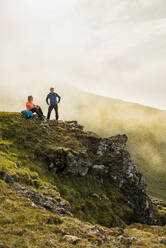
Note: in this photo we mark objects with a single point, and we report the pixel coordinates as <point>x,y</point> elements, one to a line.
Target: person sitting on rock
<point>34,108</point>
<point>52,101</point>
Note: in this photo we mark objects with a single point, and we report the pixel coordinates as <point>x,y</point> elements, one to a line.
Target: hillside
<point>62,186</point>
<point>145,127</point>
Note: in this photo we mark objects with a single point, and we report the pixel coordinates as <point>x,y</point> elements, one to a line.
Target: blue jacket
<point>52,98</point>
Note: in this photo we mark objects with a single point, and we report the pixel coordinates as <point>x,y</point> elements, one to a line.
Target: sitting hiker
<point>53,103</point>
<point>34,108</point>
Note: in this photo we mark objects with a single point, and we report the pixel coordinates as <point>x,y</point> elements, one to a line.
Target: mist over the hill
<point>114,48</point>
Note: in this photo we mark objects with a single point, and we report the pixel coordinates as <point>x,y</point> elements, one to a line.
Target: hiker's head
<point>30,98</point>
<point>52,89</point>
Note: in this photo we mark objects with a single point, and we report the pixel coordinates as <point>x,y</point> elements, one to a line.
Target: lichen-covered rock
<point>58,206</point>
<point>78,165</point>
<point>69,163</point>
<point>122,170</point>
<point>112,145</point>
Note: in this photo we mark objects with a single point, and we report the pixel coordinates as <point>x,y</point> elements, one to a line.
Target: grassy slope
<point>22,156</point>
<point>24,226</point>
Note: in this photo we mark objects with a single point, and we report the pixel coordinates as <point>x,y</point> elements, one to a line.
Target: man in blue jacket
<point>52,100</point>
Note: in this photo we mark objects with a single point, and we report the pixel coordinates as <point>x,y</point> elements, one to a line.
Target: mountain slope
<point>145,127</point>
<point>32,149</point>
<point>37,161</point>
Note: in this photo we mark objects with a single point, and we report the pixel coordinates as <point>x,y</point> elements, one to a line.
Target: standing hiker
<point>34,108</point>
<point>52,101</point>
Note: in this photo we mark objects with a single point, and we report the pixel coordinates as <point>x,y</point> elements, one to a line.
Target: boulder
<point>71,238</point>
<point>99,169</point>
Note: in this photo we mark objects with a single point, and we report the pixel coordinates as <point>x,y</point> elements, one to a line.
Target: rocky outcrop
<point>121,169</point>
<point>107,158</point>
<point>58,205</point>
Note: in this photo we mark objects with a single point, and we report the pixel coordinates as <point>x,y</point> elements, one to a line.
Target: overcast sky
<point>115,48</point>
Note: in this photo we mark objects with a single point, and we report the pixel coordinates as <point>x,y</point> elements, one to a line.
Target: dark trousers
<point>38,111</point>
<point>50,108</point>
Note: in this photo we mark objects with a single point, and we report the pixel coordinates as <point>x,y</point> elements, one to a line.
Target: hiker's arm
<point>47,99</point>
<point>59,98</point>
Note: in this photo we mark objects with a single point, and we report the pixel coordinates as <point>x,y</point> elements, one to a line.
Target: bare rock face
<point>69,162</point>
<point>78,165</point>
<point>124,173</point>
<point>113,144</point>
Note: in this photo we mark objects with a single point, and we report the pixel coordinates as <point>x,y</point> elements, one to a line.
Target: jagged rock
<point>105,197</point>
<point>77,165</point>
<point>93,230</point>
<point>71,238</point>
<point>127,241</point>
<point>119,232</point>
<point>75,124</point>
<point>112,145</point>
<point>162,241</point>
<point>97,236</point>
<point>69,163</point>
<point>49,203</point>
<point>58,206</point>
<point>96,196</point>
<point>57,159</point>
<point>124,173</point>
<point>98,167</point>
<point>114,162</point>
<point>99,170</point>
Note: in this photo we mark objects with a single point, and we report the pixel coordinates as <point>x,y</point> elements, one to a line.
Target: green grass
<point>102,204</point>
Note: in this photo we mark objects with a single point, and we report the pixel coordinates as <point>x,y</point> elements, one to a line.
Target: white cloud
<point>111,47</point>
